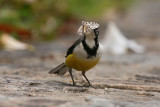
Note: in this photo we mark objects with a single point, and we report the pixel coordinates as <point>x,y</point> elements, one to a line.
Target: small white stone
<point>106,89</point>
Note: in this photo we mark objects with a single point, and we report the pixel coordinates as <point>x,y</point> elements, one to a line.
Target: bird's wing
<point>70,50</point>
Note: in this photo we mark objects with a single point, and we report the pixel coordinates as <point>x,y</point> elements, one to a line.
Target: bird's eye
<point>96,31</point>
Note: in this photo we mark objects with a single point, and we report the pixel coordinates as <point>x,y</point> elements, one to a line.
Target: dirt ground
<point>131,80</point>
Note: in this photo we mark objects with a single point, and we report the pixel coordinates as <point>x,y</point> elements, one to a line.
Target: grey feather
<point>60,69</point>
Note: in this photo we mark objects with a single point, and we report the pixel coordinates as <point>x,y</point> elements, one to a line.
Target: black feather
<point>70,50</point>
<point>96,32</point>
<point>91,51</point>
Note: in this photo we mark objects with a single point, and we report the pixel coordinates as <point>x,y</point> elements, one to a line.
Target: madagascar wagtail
<point>84,54</point>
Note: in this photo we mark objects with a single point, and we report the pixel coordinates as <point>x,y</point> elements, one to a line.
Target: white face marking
<point>90,39</point>
<point>90,43</point>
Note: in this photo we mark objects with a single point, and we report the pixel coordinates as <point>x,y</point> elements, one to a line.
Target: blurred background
<point>37,21</point>
<point>43,20</point>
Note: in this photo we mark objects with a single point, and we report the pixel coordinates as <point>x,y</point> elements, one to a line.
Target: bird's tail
<point>60,69</point>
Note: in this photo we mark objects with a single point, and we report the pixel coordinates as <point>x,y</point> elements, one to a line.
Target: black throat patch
<point>91,51</point>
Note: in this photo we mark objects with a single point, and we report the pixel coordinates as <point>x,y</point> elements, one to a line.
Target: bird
<point>84,54</point>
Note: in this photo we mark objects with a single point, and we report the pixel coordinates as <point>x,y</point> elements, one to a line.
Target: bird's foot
<point>91,86</point>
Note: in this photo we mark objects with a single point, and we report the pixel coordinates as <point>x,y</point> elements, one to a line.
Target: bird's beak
<point>85,29</point>
<point>82,30</point>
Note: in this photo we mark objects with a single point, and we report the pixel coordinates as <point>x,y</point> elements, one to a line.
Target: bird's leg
<point>83,73</point>
<point>70,72</point>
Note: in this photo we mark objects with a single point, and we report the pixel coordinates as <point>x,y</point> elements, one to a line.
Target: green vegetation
<point>43,18</point>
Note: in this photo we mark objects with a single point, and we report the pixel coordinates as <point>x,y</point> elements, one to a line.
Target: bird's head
<point>88,29</point>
